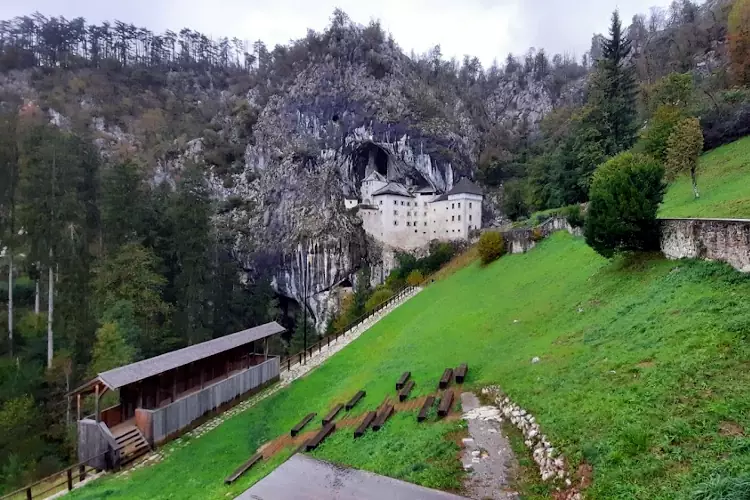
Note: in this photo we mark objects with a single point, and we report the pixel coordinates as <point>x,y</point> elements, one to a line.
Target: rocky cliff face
<point>355,105</point>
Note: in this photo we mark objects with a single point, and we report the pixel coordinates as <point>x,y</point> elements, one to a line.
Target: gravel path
<point>487,454</point>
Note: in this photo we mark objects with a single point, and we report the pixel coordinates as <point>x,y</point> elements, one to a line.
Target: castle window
<point>402,203</point>
<point>425,223</point>
<point>395,202</point>
<point>469,205</point>
<point>395,212</point>
<point>425,204</point>
<point>459,218</point>
<point>395,223</point>
<point>470,217</point>
<point>453,205</point>
<point>453,218</point>
<point>381,202</point>
<point>459,230</point>
<point>416,231</point>
<point>425,214</point>
<point>459,205</point>
<point>408,223</point>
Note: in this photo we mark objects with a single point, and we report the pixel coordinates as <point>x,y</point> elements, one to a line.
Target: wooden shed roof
<point>134,372</point>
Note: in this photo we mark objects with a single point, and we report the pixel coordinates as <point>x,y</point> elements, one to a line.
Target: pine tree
<point>8,199</point>
<point>110,349</point>
<point>613,91</point>
<point>189,213</point>
<point>123,200</point>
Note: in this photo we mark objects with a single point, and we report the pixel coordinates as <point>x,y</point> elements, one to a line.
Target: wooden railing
<point>64,480</point>
<point>301,357</point>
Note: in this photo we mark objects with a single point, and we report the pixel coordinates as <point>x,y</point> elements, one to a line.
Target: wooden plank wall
<point>181,413</point>
<point>94,439</point>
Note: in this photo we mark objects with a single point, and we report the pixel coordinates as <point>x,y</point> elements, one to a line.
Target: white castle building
<point>409,218</point>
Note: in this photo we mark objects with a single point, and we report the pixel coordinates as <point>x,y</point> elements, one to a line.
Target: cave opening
<point>381,161</point>
<point>335,117</point>
<point>370,157</point>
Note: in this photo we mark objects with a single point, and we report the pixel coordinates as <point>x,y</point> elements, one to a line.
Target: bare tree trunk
<point>695,184</point>
<point>37,298</point>
<point>10,300</point>
<point>50,310</point>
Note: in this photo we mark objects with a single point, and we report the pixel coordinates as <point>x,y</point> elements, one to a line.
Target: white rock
<point>535,359</point>
<point>475,453</point>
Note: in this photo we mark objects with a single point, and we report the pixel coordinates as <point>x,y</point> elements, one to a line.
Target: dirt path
<point>487,454</point>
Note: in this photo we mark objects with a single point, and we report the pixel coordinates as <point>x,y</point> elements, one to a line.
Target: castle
<point>408,218</point>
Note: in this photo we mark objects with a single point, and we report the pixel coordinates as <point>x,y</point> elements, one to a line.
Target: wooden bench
<point>355,399</point>
<point>445,404</point>
<point>302,424</point>
<point>243,468</point>
<point>425,408</point>
<point>320,436</point>
<point>460,373</point>
<point>401,381</point>
<point>445,380</point>
<point>365,424</point>
<point>384,414</point>
<point>332,414</point>
<point>404,392</point>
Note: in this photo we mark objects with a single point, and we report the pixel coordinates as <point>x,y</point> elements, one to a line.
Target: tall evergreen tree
<point>189,213</point>
<point>613,91</point>
<point>8,199</point>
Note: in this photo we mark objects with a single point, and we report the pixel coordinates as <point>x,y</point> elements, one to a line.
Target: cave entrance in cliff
<point>370,157</point>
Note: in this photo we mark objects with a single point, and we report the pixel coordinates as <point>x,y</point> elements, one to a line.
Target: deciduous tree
<point>683,149</point>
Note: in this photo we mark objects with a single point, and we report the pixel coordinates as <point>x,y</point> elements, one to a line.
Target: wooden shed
<point>160,396</point>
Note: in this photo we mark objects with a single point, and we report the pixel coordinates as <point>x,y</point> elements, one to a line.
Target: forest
<point>104,262</point>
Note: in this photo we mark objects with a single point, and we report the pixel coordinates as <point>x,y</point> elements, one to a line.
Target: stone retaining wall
<point>725,240</point>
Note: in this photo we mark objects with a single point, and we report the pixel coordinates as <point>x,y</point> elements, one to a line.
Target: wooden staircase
<point>131,444</point>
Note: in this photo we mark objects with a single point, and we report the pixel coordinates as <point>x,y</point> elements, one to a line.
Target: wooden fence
<point>65,480</point>
<point>180,414</point>
<point>300,358</point>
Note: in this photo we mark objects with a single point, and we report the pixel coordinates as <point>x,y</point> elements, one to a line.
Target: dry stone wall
<point>725,240</point>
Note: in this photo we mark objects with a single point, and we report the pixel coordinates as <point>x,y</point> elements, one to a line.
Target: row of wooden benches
<point>373,419</point>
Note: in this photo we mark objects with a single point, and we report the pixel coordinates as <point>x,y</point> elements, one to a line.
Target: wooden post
<point>174,385</point>
<point>265,349</point>
<point>96,406</point>
<point>28,493</point>
<point>70,479</point>
<point>78,401</point>
<point>81,473</point>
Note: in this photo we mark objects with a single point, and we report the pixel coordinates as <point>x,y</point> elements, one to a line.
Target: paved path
<point>305,478</point>
<point>487,454</point>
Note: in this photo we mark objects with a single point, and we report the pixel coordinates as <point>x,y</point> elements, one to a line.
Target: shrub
<point>624,197</point>
<point>655,137</point>
<point>573,215</point>
<point>415,278</point>
<point>377,298</point>
<point>684,147</point>
<point>491,246</point>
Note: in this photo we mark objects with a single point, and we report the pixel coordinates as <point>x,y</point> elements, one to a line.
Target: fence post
<point>329,341</point>
<point>28,493</point>
<point>70,479</point>
<point>81,473</point>
<point>288,364</point>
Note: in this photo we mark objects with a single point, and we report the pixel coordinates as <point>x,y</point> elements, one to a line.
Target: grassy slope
<point>723,182</point>
<point>642,366</point>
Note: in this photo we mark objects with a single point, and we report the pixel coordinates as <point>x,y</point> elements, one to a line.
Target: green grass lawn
<point>644,374</point>
<point>723,183</point>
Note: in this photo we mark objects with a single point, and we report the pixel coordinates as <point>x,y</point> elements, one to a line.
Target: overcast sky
<point>488,29</point>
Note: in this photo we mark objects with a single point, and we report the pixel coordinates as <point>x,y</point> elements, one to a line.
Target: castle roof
<point>426,189</point>
<point>465,186</point>
<point>393,188</point>
<point>375,176</point>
